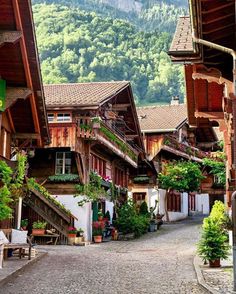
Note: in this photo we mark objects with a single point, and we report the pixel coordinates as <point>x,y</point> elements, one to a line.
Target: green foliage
<point>39,225</point>
<point>213,244</point>
<point>32,184</point>
<point>24,222</point>
<point>181,176</point>
<point>218,167</point>
<point>91,191</point>
<point>141,179</point>
<point>123,146</point>
<point>64,178</point>
<point>78,46</point>
<point>107,215</point>
<point>12,184</point>
<point>130,222</point>
<point>150,16</point>
<point>219,215</point>
<point>143,210</point>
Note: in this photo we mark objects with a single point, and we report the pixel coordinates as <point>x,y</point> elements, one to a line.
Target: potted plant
<point>107,217</point>
<point>39,227</point>
<point>71,235</point>
<point>24,223</point>
<point>213,245</point>
<point>100,215</point>
<point>80,236</point>
<point>152,225</point>
<point>96,122</point>
<point>98,228</point>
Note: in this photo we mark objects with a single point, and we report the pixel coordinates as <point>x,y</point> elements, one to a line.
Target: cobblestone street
<point>158,262</point>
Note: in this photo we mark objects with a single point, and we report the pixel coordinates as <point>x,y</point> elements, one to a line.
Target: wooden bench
<point>19,246</point>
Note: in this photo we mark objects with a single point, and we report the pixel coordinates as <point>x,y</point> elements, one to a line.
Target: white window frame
<point>63,162</point>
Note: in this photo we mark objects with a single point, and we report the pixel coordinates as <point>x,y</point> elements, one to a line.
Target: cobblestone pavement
<point>157,263</point>
<point>220,279</point>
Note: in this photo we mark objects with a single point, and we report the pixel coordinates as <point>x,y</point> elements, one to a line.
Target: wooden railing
<point>187,149</point>
<point>50,213</point>
<point>98,130</point>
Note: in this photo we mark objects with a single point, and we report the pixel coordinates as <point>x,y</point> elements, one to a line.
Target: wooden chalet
<point>93,128</point>
<point>23,114</point>
<point>205,43</point>
<point>167,137</point>
<point>23,119</point>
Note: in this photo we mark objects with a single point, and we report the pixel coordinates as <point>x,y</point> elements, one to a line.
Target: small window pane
<point>50,117</point>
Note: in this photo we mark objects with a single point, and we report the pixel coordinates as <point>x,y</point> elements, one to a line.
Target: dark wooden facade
<point>23,124</point>
<point>210,82</point>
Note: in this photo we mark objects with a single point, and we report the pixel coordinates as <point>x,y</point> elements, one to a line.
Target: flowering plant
<point>98,228</point>
<point>108,179</point>
<point>72,230</point>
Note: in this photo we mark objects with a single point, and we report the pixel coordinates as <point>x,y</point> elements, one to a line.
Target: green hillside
<point>79,46</point>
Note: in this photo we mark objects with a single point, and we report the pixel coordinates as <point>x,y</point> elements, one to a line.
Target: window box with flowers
<point>98,228</point>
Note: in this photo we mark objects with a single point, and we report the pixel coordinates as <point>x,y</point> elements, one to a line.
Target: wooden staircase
<point>51,213</point>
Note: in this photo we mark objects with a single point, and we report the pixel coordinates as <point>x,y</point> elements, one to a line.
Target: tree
<point>182,176</point>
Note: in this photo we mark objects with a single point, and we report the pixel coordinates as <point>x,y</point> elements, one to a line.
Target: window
<point>174,202</point>
<point>138,198</point>
<point>98,165</point>
<point>63,163</point>
<point>59,117</point>
<point>63,117</point>
<point>50,117</point>
<point>120,177</point>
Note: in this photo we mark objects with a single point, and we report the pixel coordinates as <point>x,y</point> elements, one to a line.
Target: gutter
<point>219,48</point>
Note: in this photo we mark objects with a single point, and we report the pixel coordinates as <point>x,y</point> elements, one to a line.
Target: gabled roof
<point>182,41</point>
<point>161,118</point>
<point>82,94</point>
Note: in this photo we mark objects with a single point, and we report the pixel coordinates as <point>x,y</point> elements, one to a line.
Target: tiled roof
<point>81,94</point>
<point>161,118</point>
<point>182,41</point>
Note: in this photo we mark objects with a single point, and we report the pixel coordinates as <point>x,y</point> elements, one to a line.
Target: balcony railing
<point>186,149</point>
<point>98,130</point>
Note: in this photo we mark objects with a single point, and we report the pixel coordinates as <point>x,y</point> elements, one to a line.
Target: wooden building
<point>23,119</point>
<point>205,43</point>
<point>167,136</point>
<point>93,128</point>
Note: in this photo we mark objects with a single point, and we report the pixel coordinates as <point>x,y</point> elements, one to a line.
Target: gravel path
<point>157,263</point>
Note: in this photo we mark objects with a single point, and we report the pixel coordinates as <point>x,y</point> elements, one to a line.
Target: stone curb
<point>200,277</point>
<point>21,269</point>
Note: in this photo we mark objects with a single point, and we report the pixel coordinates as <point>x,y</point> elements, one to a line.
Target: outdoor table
<point>51,236</point>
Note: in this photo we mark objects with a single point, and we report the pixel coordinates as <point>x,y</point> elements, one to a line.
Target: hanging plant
<point>12,187</point>
<point>92,191</point>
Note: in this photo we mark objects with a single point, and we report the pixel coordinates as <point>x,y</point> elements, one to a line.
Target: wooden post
<point>1,254</point>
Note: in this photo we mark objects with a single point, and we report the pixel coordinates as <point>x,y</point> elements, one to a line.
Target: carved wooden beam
<point>211,75</point>
<point>209,115</point>
<point>12,94</point>
<point>9,37</point>
<point>26,136</point>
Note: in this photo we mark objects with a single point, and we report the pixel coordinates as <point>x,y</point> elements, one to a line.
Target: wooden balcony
<point>172,145</point>
<point>106,135</point>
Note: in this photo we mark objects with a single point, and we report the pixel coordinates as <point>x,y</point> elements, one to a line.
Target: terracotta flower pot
<point>97,239</point>
<point>214,263</point>
<point>71,235</point>
<point>38,231</point>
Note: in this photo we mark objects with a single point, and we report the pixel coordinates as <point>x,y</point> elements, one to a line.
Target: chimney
<point>174,100</point>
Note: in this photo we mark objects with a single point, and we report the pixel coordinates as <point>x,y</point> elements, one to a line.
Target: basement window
<point>63,163</point>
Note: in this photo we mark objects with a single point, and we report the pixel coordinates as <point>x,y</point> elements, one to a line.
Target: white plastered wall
<point>202,204</point>
<point>82,213</point>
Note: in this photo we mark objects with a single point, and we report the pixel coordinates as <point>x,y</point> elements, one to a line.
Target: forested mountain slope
<point>79,46</point>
